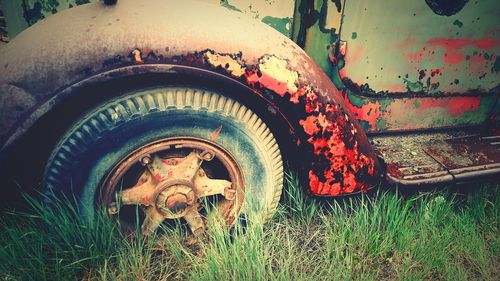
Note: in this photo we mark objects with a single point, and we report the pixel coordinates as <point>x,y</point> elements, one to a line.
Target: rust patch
<point>136,56</point>
<point>338,164</point>
<point>339,167</point>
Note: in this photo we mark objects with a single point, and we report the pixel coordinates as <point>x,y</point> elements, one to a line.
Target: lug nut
<point>146,160</point>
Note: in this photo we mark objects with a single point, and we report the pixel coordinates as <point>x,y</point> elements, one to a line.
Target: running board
<point>431,158</point>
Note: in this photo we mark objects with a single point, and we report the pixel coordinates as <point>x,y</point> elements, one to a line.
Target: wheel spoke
<point>188,168</point>
<point>160,169</point>
<point>205,186</point>
<point>195,221</point>
<point>152,220</point>
<point>140,194</point>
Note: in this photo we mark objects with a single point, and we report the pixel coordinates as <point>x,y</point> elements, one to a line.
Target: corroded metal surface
<point>400,57</point>
<point>397,47</point>
<point>424,158</point>
<point>172,185</point>
<point>407,161</point>
<point>400,113</point>
<point>145,35</point>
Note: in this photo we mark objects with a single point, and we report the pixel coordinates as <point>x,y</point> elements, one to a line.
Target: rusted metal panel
<point>430,158</point>
<point>465,156</point>
<point>396,46</point>
<point>406,159</point>
<point>419,64</point>
<point>401,113</point>
<point>142,37</point>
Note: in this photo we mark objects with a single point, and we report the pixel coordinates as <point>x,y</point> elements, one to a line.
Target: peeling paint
<point>228,62</point>
<point>136,56</point>
<point>283,25</point>
<point>225,4</point>
<point>272,73</point>
<point>339,166</point>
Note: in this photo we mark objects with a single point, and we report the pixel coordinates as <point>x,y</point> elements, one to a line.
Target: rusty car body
<point>420,78</point>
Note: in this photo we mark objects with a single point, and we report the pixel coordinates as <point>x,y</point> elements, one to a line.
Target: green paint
<point>335,77</point>
<point>365,125</point>
<point>354,35</point>
<point>496,66</point>
<point>413,86</point>
<point>317,42</point>
<point>357,101</point>
<point>225,4</point>
<point>478,116</point>
<point>458,23</point>
<point>487,56</point>
<point>37,10</point>
<point>280,24</point>
<point>34,14</point>
<point>418,86</point>
<point>384,103</point>
<point>381,125</point>
<point>81,2</point>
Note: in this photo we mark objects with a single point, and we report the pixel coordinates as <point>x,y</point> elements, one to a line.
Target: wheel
<point>177,152</point>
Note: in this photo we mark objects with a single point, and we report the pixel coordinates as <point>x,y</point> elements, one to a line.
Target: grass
<point>434,235</point>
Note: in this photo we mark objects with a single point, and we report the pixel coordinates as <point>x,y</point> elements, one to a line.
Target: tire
<point>90,150</point>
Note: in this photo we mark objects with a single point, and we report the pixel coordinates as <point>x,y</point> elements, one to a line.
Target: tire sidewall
<point>99,155</point>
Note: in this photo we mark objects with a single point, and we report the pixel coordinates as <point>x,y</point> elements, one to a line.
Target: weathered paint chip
<point>273,74</point>
<point>228,62</point>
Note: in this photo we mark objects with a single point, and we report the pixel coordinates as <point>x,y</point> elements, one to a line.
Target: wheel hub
<point>174,199</point>
<point>171,186</point>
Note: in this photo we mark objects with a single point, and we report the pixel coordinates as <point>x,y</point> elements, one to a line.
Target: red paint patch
<point>456,106</point>
<point>158,177</point>
<point>416,57</point>
<point>333,138</point>
<point>368,112</point>
<point>310,125</point>
<point>453,46</point>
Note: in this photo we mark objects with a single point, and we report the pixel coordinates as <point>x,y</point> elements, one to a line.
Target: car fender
<point>39,66</point>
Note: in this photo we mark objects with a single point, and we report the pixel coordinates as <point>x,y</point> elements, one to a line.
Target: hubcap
<point>176,175</point>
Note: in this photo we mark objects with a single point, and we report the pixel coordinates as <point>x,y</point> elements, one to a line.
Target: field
<point>385,235</point>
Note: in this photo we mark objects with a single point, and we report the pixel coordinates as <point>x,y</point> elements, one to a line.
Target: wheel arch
<point>48,62</point>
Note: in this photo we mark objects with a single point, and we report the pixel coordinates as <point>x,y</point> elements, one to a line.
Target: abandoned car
<point>170,104</point>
